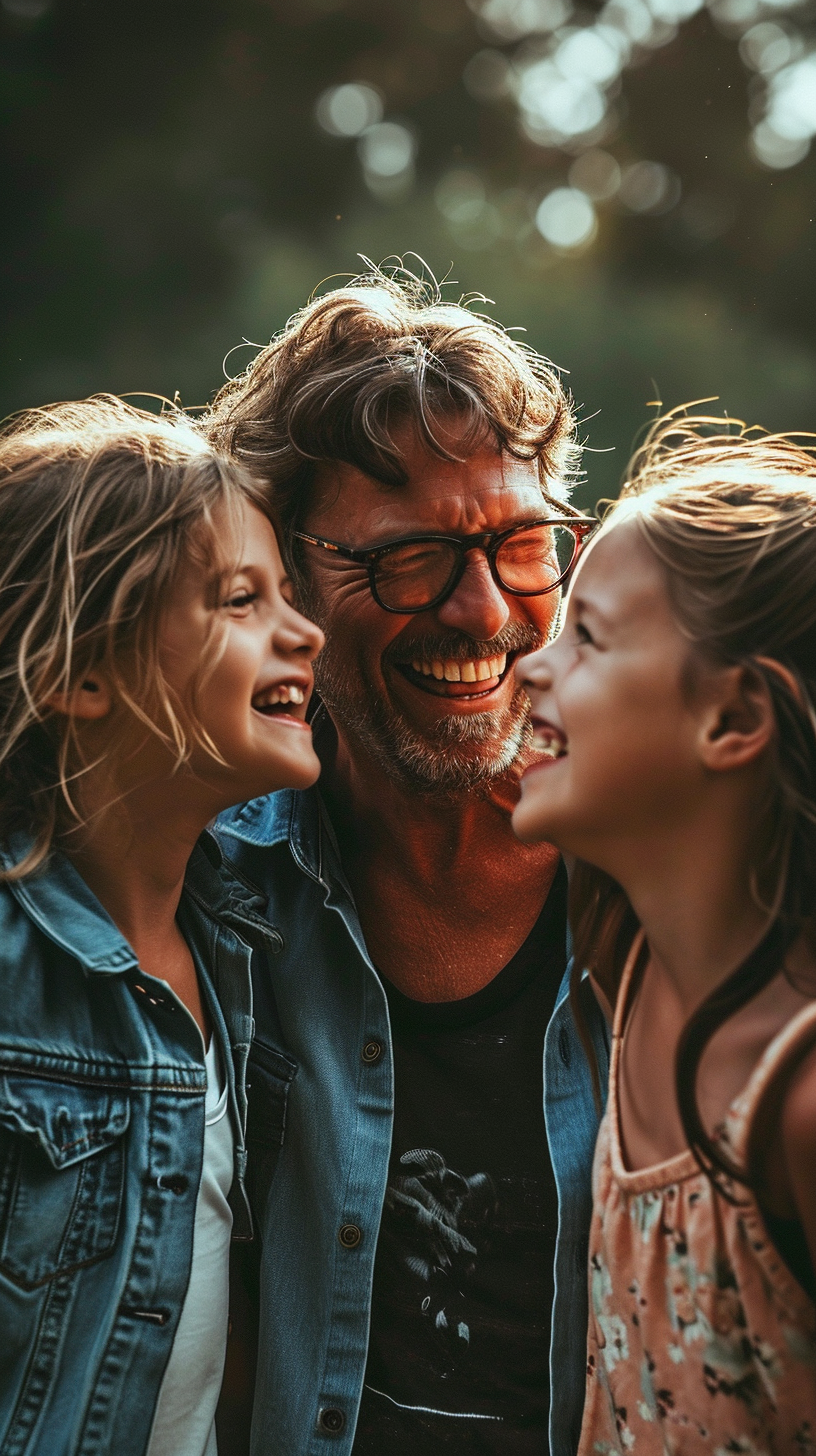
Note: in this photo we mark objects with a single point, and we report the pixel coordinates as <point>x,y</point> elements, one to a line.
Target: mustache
<point>521,637</point>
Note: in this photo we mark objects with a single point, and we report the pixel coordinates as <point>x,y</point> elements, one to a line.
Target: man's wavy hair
<point>362,361</point>
<point>730,514</point>
<point>100,503</point>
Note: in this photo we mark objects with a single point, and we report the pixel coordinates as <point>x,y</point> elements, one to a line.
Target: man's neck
<point>445,892</point>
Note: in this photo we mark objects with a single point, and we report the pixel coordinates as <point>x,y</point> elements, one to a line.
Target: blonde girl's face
<point>252,703</point>
<point>617,733</point>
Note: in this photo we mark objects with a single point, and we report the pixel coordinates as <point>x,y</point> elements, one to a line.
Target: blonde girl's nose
<point>533,671</point>
<point>300,634</point>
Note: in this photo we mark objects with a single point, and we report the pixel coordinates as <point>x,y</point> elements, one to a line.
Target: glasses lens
<point>411,575</point>
<point>536,558</point>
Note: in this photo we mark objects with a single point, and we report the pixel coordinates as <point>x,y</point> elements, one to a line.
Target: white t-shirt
<point>184,1423</point>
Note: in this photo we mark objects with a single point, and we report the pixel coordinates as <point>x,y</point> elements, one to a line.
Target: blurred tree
<point>178,178</point>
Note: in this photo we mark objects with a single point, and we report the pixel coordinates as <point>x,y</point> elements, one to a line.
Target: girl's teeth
<point>548,745</point>
<point>286,693</point>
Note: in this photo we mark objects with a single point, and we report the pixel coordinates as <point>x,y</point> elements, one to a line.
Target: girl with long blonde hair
<point>152,672</point>
<point>675,720</point>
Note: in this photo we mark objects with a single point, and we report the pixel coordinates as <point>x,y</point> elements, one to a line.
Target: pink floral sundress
<point>701,1341</point>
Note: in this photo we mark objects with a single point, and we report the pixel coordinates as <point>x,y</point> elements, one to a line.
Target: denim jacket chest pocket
<point>269,1076</point>
<point>61,1175</point>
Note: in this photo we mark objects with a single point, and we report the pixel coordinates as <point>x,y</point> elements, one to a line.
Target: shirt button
<point>331,1420</point>
<point>350,1235</point>
<point>371,1053</point>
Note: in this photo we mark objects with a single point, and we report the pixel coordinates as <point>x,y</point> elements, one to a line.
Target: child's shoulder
<point>787,1135</point>
<point>798,1112</point>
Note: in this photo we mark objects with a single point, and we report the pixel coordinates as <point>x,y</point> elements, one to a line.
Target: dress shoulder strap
<point>780,1057</point>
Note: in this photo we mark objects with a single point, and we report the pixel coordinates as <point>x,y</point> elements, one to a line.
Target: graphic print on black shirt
<point>463,1281</point>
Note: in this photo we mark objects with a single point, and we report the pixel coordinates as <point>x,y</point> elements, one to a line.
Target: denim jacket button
<point>331,1420</point>
<point>350,1235</point>
<point>371,1053</point>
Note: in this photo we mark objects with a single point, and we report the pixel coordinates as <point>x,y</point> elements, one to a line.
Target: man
<point>418,1223</point>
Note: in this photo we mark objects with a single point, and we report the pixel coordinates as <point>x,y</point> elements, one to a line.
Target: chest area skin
<point>650,1122</point>
<point>441,919</point>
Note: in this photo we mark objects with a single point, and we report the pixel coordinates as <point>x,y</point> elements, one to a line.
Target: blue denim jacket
<point>102,1085</point>
<point>321,1100</point>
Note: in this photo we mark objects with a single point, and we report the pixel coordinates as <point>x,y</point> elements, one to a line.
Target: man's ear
<point>89,698</point>
<point>739,721</point>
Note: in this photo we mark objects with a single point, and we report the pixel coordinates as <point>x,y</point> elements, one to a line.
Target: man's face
<point>379,673</point>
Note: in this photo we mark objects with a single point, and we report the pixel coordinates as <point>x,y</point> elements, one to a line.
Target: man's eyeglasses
<point>420,572</point>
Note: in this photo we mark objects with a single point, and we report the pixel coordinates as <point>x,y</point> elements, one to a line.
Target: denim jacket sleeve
<point>572,1124</point>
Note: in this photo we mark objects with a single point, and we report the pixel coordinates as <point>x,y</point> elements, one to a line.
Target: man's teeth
<point>451,670</point>
<point>548,743</point>
<point>283,693</point>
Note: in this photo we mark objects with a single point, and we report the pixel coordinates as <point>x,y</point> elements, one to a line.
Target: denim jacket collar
<point>59,902</point>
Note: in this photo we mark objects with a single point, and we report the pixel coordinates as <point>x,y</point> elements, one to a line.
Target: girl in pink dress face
<point>674,719</point>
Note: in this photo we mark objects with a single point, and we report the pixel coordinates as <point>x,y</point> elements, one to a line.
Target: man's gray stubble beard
<point>445,759</point>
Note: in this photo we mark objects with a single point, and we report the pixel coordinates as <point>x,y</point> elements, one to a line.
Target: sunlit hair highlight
<point>361,361</point>
<point>100,504</point>
<point>730,513</point>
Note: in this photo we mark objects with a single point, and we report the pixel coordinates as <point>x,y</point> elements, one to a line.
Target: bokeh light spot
<point>348,110</point>
<point>460,195</point>
<point>649,187</point>
<point>510,20</point>
<point>776,151</point>
<point>767,47</point>
<point>566,218</point>
<point>387,149</point>
<point>488,75</point>
<point>792,100</point>
<point>596,173</point>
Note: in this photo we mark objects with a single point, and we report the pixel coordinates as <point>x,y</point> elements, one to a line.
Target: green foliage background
<point>168,194</point>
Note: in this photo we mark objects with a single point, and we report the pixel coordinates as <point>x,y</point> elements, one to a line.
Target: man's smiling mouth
<point>456,677</point>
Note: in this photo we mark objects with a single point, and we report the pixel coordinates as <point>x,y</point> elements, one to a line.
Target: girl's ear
<point>90,698</point>
<point>739,721</point>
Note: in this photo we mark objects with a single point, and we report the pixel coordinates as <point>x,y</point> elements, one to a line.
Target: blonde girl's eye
<point>241,601</point>
<point>584,637</point>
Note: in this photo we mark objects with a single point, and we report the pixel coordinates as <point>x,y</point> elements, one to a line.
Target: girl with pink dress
<point>676,735</point>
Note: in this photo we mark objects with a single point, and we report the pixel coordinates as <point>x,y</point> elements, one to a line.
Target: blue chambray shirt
<point>321,1107</point>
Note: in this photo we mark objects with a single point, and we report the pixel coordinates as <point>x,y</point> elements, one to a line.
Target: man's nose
<point>477,606</point>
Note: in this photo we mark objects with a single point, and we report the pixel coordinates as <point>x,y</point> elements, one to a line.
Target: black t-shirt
<point>463,1280</point>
